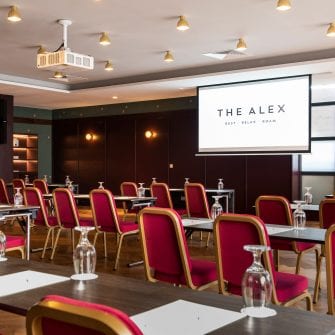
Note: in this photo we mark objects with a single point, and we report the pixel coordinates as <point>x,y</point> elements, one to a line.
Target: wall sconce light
<point>150,134</point>
<point>90,137</point>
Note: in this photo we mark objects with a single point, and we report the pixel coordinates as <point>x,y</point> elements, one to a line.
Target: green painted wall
<point>44,133</point>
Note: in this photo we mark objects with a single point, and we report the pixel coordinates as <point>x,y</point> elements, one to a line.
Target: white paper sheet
<point>191,222</point>
<point>183,317</point>
<point>277,230</point>
<point>27,280</point>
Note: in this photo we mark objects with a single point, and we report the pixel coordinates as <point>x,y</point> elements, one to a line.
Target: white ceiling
<point>279,44</point>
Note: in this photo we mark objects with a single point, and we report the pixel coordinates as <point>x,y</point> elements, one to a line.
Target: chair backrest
<point>55,315</point>
<point>42,185</point>
<point>65,208</point>
<point>330,267</point>
<point>128,188</point>
<point>4,199</point>
<point>18,183</point>
<point>231,233</point>
<point>162,193</point>
<point>166,255</point>
<point>274,209</point>
<point>327,213</point>
<point>196,201</point>
<point>33,197</point>
<point>104,210</point>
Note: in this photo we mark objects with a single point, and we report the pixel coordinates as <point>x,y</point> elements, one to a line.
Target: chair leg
<point>120,239</point>
<point>46,242</point>
<point>317,280</point>
<point>56,242</point>
<point>95,238</point>
<point>72,239</point>
<point>208,239</point>
<point>297,267</point>
<point>309,304</point>
<point>105,244</point>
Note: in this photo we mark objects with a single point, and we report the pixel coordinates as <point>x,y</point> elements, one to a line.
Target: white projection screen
<point>256,117</point>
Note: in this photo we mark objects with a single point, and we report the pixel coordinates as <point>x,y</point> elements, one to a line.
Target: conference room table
<point>19,212</point>
<point>134,296</point>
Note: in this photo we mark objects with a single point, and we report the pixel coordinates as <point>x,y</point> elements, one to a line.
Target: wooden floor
<point>11,324</point>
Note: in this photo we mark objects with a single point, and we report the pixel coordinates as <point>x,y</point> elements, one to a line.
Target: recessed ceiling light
<point>115,97</point>
<point>283,5</point>
<point>14,14</point>
<point>182,24</point>
<point>104,39</point>
<point>168,57</point>
<point>241,45</point>
<point>109,66</point>
<point>331,30</point>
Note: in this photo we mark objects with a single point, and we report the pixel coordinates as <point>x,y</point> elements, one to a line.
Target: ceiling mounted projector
<point>63,58</point>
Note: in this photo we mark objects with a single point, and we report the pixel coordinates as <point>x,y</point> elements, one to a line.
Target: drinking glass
<point>299,216</point>
<point>216,209</point>
<point>18,198</point>
<point>70,186</point>
<point>26,179</point>
<point>154,180</point>
<point>101,185</point>
<point>187,180</point>
<point>67,180</point>
<point>257,285</point>
<point>308,197</point>
<point>141,190</point>
<point>2,246</point>
<point>220,184</point>
<point>84,257</point>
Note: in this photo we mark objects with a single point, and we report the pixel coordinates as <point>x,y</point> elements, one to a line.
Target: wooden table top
<point>135,296</point>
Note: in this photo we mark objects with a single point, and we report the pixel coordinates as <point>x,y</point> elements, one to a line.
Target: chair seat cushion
<point>289,285</point>
<point>181,211</point>
<point>14,241</point>
<point>202,272</point>
<point>52,220</point>
<point>127,226</point>
<point>279,244</point>
<point>86,222</point>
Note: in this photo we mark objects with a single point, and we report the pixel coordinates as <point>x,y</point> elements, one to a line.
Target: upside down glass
<point>2,246</point>
<point>141,190</point>
<point>216,208</point>
<point>257,285</point>
<point>18,197</point>
<point>308,197</point>
<point>84,256</point>
<point>299,216</point>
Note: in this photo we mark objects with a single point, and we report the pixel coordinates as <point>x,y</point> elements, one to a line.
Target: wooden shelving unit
<point>25,156</point>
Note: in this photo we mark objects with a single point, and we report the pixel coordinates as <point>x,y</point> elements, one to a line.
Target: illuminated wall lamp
<point>90,137</point>
<point>150,134</point>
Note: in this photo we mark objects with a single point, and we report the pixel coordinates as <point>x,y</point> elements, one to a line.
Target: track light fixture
<point>109,66</point>
<point>182,24</point>
<point>168,57</point>
<point>41,50</point>
<point>283,5</point>
<point>58,74</point>
<point>241,45</point>
<point>14,14</point>
<point>104,39</point>
<point>331,30</point>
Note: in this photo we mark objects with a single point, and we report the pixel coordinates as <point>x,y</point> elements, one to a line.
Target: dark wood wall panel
<point>120,152</point>
<point>183,147</point>
<point>152,154</point>
<point>6,135</point>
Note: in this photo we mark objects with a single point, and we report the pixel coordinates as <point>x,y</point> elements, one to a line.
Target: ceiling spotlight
<point>41,50</point>
<point>283,5</point>
<point>104,39</point>
<point>58,74</point>
<point>241,45</point>
<point>331,30</point>
<point>182,24</point>
<point>109,66</point>
<point>168,57</point>
<point>14,14</point>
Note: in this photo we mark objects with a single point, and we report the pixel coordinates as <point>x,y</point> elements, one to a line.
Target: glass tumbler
<point>216,208</point>
<point>2,246</point>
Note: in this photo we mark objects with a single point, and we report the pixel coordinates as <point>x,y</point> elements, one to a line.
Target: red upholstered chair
<point>106,220</point>
<point>18,183</point>
<point>42,185</point>
<point>231,233</point>
<point>273,209</point>
<point>55,315</point>
<point>196,202</point>
<point>15,243</point>
<point>67,214</point>
<point>162,193</point>
<point>326,219</point>
<point>166,255</point>
<point>129,189</point>
<point>4,198</point>
<point>33,197</point>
